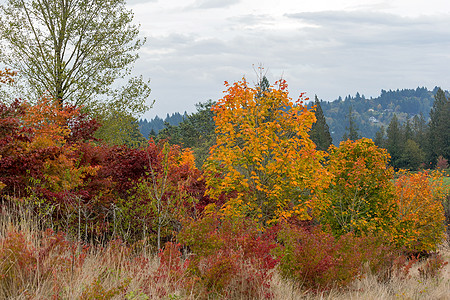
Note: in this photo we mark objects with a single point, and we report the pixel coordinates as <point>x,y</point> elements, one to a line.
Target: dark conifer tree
<point>380,137</point>
<point>152,134</point>
<point>352,129</point>
<point>320,133</point>
<point>394,141</point>
<point>439,128</point>
<point>196,131</point>
<point>419,128</point>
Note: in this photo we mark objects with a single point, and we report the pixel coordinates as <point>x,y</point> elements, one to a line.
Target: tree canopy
<point>78,52</point>
<point>263,154</point>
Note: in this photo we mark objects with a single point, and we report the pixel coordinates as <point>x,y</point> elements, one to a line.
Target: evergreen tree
<point>152,134</point>
<point>263,86</point>
<point>412,156</point>
<point>320,133</point>
<point>394,141</point>
<point>380,137</point>
<point>407,130</point>
<point>196,131</point>
<point>419,128</point>
<point>439,128</point>
<point>352,129</point>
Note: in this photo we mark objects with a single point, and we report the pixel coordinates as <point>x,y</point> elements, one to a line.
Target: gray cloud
<point>350,17</point>
<point>330,54</point>
<point>133,2</point>
<point>205,4</point>
<point>365,28</point>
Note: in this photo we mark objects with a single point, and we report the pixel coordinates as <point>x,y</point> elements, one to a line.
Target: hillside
<point>370,114</point>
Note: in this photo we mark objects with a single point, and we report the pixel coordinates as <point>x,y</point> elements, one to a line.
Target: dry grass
<point>369,287</point>
<point>113,273</point>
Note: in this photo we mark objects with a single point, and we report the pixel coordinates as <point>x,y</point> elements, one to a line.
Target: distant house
<point>373,120</point>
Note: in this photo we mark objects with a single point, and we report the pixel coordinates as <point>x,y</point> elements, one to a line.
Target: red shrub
<point>230,257</point>
<point>23,266</point>
<point>317,261</point>
<point>171,272</point>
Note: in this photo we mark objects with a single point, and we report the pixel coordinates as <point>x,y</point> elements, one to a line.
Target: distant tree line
<point>155,125</point>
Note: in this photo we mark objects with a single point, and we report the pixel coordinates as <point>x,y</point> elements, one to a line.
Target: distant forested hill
<point>155,125</point>
<point>370,114</point>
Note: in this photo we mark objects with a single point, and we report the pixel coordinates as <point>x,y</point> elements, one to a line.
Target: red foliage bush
<point>230,257</point>
<point>171,272</point>
<point>17,263</point>
<point>442,163</point>
<point>75,181</point>
<point>316,260</point>
<point>23,265</point>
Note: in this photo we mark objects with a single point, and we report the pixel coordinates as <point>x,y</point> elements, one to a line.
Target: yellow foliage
<point>360,196</point>
<point>420,221</point>
<point>263,157</point>
<point>187,158</point>
<point>63,173</point>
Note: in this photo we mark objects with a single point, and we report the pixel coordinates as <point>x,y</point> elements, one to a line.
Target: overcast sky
<point>330,48</point>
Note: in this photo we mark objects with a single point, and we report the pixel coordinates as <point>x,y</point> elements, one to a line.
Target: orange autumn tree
<point>50,124</point>
<point>7,76</point>
<point>419,226</point>
<point>264,158</point>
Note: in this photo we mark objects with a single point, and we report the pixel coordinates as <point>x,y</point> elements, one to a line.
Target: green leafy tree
<point>75,50</point>
<point>320,133</point>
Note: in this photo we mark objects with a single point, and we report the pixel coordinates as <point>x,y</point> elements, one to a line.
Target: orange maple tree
<point>7,76</point>
<point>420,221</point>
<point>50,124</point>
<point>263,157</point>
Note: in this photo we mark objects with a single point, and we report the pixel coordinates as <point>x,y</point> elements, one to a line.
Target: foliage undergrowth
<point>317,260</point>
<point>229,257</point>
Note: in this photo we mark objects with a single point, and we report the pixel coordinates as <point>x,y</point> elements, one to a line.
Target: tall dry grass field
<point>36,264</point>
<point>412,286</point>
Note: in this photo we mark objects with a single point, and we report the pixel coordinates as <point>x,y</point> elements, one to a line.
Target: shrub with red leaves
<point>316,261</point>
<point>230,257</point>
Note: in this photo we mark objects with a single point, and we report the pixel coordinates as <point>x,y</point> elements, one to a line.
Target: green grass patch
<point>446,184</point>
